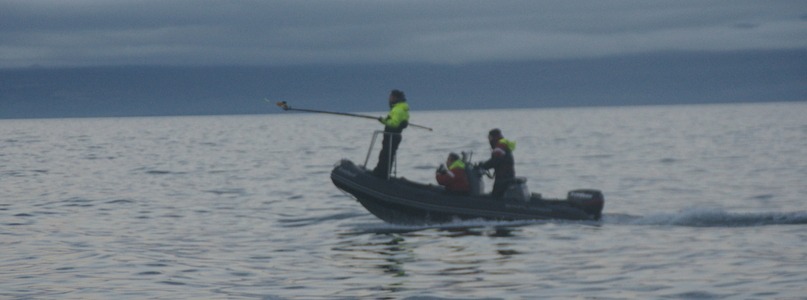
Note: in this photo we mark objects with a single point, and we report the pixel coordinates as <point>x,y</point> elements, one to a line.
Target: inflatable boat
<point>400,201</point>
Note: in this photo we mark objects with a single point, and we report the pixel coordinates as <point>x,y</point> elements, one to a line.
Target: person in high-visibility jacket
<point>502,162</point>
<point>453,178</point>
<point>394,123</point>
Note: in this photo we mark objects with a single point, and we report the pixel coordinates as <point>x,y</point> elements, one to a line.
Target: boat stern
<point>589,200</point>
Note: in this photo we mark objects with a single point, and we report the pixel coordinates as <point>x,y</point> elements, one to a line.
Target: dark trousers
<point>500,186</point>
<point>389,146</point>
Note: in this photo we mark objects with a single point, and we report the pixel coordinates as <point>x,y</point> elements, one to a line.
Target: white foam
<point>714,217</point>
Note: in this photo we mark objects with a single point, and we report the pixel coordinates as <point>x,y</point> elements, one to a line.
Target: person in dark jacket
<point>394,123</point>
<point>501,161</point>
<point>453,178</point>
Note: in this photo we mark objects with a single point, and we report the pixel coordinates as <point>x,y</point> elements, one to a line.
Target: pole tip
<point>283,105</point>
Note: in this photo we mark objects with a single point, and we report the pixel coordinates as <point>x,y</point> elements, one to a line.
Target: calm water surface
<point>702,202</point>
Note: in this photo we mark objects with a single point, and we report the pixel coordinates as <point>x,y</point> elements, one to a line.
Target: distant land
<point>649,79</point>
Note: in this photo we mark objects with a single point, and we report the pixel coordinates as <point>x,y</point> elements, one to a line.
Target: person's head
<point>452,157</point>
<point>396,96</point>
<point>494,135</point>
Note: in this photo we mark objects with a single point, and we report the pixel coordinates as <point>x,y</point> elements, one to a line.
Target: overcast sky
<point>60,33</point>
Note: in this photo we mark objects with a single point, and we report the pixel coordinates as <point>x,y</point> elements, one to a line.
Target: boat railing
<point>393,165</point>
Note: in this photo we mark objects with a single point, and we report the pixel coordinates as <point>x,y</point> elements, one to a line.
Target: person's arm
<point>443,176</point>
<point>496,158</point>
<point>395,117</point>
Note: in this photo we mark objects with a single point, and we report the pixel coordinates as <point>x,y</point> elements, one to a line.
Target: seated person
<point>453,178</point>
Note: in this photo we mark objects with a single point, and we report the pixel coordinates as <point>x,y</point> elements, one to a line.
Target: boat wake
<point>700,217</point>
<point>695,217</point>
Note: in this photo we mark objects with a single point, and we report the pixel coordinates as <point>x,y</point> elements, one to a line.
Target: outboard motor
<point>589,200</point>
<point>518,190</point>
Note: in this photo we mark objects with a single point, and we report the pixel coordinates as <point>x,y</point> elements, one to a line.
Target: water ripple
<point>703,202</point>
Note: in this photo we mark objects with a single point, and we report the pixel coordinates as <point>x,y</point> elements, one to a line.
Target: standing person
<point>453,178</point>
<point>502,162</point>
<point>394,123</point>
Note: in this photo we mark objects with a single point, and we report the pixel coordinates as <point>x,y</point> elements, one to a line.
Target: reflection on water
<point>480,231</point>
<point>389,252</point>
<point>392,252</point>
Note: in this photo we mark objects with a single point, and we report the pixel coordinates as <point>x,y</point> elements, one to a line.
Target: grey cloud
<point>206,32</point>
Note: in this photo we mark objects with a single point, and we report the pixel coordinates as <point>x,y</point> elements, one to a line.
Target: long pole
<point>285,106</point>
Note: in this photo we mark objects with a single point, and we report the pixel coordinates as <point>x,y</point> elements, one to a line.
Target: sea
<point>701,202</point>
